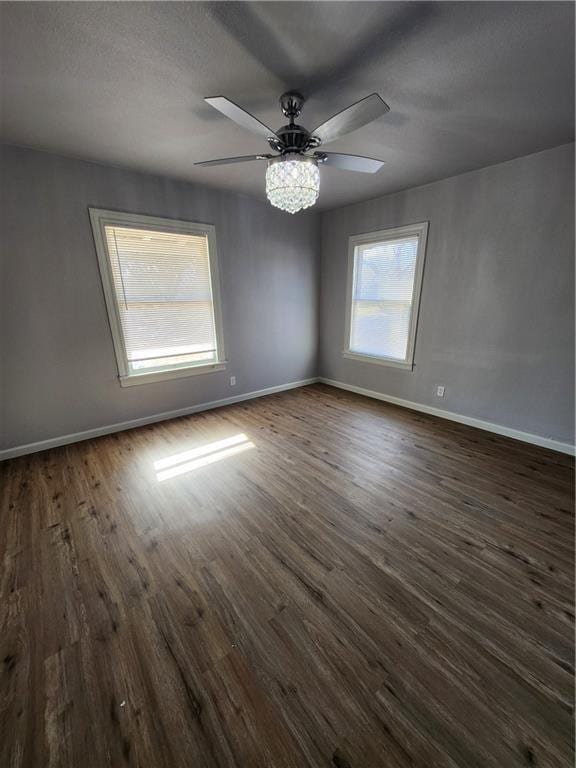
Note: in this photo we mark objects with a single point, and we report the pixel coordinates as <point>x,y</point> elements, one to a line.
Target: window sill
<point>179,373</point>
<point>404,364</point>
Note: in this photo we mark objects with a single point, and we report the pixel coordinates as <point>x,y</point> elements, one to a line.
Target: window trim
<point>421,231</point>
<point>99,219</point>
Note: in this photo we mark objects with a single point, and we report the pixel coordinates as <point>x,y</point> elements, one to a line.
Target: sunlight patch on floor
<point>188,461</point>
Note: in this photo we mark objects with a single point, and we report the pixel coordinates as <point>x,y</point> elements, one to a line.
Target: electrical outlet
<point>232,381</point>
<point>439,391</point>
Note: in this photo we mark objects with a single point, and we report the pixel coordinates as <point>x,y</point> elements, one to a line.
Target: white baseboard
<point>526,437</point>
<point>55,442</point>
<point>76,437</point>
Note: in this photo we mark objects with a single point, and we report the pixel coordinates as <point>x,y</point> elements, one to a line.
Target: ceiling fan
<point>292,176</point>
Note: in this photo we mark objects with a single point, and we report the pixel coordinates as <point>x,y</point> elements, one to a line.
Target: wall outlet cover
<point>232,381</point>
<point>440,391</point>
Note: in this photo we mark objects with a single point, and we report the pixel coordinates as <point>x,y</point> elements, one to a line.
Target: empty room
<point>287,384</point>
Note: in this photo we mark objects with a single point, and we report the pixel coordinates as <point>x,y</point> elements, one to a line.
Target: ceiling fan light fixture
<point>292,176</point>
<point>292,182</point>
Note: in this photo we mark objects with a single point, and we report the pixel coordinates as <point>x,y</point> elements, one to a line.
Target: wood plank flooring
<point>308,579</point>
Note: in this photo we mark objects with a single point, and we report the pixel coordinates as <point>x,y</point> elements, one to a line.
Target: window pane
<point>382,297</point>
<point>164,297</point>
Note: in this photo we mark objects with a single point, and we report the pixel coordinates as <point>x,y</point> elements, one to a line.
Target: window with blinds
<point>160,283</point>
<point>385,274</point>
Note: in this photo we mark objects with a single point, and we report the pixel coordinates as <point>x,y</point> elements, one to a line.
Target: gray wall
<point>496,323</point>
<point>496,318</point>
<point>58,369</point>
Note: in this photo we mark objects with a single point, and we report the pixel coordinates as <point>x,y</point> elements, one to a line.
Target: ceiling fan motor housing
<point>292,138</point>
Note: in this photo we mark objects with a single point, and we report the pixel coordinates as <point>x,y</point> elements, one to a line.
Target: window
<point>160,280</point>
<point>384,281</point>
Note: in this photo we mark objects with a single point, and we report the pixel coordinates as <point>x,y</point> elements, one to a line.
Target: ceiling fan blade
<point>239,115</point>
<point>228,160</point>
<point>353,117</point>
<point>350,162</point>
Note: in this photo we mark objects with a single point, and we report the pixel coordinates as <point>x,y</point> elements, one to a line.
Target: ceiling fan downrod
<point>292,138</point>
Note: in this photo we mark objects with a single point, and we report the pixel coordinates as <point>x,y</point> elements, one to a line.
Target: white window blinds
<point>160,286</point>
<point>383,301</point>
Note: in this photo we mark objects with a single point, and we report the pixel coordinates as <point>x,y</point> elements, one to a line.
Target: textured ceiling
<point>469,84</point>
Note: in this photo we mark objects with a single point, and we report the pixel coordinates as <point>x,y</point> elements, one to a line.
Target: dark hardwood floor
<point>308,579</point>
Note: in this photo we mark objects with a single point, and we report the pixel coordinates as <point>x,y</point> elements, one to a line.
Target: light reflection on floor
<point>188,461</point>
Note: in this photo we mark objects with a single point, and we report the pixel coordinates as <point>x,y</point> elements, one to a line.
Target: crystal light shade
<point>292,182</point>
